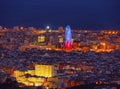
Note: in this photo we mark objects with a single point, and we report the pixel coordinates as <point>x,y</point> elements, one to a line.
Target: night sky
<point>79,14</point>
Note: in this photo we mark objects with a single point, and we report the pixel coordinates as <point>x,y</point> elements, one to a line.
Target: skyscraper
<point>68,38</point>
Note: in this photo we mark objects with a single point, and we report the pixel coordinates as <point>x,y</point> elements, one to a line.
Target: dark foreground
<point>9,84</point>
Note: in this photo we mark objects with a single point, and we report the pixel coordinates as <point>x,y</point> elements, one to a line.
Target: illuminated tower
<point>68,38</point>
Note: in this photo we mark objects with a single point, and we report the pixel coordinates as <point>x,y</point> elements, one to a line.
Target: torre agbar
<point>68,38</point>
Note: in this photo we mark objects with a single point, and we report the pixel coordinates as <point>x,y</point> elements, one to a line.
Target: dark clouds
<point>80,14</point>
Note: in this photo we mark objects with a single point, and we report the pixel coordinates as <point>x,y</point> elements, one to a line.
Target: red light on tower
<point>68,38</point>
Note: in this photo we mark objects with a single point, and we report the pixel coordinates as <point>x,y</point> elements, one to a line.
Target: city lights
<point>47,27</point>
<point>59,44</point>
<point>61,58</point>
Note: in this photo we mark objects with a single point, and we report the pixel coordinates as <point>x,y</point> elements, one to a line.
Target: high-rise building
<point>41,38</point>
<point>68,38</point>
<point>45,70</point>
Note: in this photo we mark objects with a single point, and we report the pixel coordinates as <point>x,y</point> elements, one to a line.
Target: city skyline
<point>59,44</point>
<point>32,58</point>
<point>79,14</point>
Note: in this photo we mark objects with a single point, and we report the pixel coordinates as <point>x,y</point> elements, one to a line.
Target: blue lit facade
<point>68,38</point>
